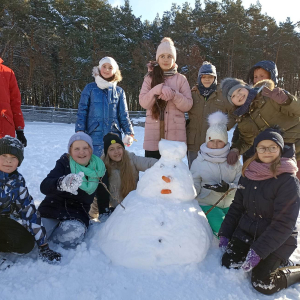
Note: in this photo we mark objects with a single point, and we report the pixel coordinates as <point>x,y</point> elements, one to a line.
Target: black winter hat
<point>273,133</point>
<point>267,65</point>
<point>110,139</point>
<point>11,145</point>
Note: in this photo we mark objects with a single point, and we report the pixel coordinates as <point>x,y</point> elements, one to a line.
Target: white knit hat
<point>111,61</point>
<point>217,127</point>
<point>166,46</point>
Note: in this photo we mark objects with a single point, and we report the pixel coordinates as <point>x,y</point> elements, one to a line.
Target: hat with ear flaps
<point>217,129</point>
<point>166,46</point>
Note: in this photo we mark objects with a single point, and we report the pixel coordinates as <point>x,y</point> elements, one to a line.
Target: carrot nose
<point>166,179</point>
<point>166,191</point>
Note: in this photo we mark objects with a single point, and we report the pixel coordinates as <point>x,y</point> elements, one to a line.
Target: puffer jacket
<point>264,215</point>
<point>174,118</point>
<point>63,205</point>
<point>101,111</point>
<point>264,113</point>
<point>11,118</point>
<point>206,172</point>
<point>139,164</point>
<point>202,108</point>
<point>16,202</point>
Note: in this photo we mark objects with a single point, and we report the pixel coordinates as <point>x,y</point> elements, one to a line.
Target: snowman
<point>161,224</point>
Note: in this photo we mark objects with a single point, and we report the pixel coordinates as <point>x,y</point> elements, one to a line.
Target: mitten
<point>223,243</point>
<point>251,261</point>
<point>48,255</point>
<point>233,156</point>
<point>127,140</point>
<point>221,187</point>
<point>21,137</point>
<point>277,94</point>
<point>167,93</point>
<point>70,183</point>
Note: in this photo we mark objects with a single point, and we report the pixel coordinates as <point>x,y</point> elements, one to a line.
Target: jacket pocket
<point>92,127</point>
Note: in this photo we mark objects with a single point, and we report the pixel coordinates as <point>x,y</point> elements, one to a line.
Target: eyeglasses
<point>271,149</point>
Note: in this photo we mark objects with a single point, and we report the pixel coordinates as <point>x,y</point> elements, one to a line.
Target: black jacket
<point>264,215</point>
<point>64,205</point>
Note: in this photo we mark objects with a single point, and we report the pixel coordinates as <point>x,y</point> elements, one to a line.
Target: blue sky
<point>149,8</point>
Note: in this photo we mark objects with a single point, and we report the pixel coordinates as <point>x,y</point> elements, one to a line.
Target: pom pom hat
<point>166,46</point>
<point>207,69</point>
<point>217,129</point>
<point>110,61</point>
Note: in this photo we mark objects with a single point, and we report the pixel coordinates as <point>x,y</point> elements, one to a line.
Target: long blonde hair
<point>273,166</point>
<point>128,182</point>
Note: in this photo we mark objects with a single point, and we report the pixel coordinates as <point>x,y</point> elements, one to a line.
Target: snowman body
<point>161,224</point>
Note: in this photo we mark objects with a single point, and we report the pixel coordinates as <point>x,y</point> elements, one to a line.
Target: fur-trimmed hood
<point>266,82</point>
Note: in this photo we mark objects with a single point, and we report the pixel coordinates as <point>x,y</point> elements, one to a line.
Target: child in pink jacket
<point>166,95</point>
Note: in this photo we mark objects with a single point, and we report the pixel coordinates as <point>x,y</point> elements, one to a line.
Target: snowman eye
<point>162,165</point>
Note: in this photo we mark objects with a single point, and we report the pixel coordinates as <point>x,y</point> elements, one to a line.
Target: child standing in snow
<point>257,110</point>
<point>212,175</point>
<point>103,108</point>
<point>258,231</point>
<point>70,188</point>
<point>123,169</point>
<point>17,205</point>
<point>166,95</point>
<point>206,100</point>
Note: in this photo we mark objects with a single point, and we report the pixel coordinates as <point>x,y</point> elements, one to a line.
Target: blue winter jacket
<point>16,202</point>
<point>101,111</point>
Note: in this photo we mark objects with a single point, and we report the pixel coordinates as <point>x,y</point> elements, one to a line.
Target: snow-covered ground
<point>87,274</point>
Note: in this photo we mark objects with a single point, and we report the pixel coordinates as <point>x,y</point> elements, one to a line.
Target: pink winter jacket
<point>174,111</point>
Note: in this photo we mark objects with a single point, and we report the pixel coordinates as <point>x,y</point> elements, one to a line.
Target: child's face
<point>166,61</point>
<point>260,74</point>
<point>106,70</point>
<point>239,96</point>
<point>8,163</point>
<point>115,152</point>
<point>207,80</point>
<point>271,151</point>
<point>215,144</point>
<point>81,152</point>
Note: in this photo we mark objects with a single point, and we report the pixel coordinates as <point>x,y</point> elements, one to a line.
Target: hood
<point>266,82</point>
<point>267,65</point>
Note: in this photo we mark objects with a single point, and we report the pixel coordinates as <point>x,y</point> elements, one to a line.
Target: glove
<point>277,94</point>
<point>70,183</point>
<point>223,243</point>
<point>21,137</point>
<point>166,93</point>
<point>104,216</point>
<point>127,140</point>
<point>251,261</point>
<point>233,156</point>
<point>48,255</point>
<point>221,187</point>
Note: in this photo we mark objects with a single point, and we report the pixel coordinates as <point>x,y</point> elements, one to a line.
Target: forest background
<point>52,45</point>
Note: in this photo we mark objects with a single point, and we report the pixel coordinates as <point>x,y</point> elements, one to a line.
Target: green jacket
<point>265,112</point>
<point>202,107</point>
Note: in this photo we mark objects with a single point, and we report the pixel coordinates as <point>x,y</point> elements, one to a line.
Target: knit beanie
<point>166,46</point>
<point>111,61</point>
<point>80,136</point>
<point>272,134</point>
<point>110,139</point>
<point>207,69</point>
<point>11,145</point>
<point>217,129</point>
<point>267,65</point>
<point>229,85</point>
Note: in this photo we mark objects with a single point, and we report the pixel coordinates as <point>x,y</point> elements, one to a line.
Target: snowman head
<point>169,178</point>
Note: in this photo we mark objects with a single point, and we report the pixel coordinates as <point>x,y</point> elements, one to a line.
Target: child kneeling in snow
<point>70,188</point>
<point>212,175</point>
<point>123,174</point>
<point>17,205</point>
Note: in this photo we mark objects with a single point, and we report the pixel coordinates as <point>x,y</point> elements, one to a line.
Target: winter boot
<point>291,274</point>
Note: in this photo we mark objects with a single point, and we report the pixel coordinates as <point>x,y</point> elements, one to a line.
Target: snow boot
<point>291,274</point>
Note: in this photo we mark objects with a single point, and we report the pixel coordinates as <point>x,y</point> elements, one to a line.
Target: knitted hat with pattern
<point>11,145</point>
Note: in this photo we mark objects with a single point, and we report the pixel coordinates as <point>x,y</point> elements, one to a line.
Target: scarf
<point>103,84</point>
<point>245,107</point>
<point>93,171</point>
<point>153,64</point>
<point>206,92</point>
<point>215,155</point>
<point>261,171</point>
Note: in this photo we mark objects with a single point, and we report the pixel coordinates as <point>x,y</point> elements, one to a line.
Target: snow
<point>87,273</point>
